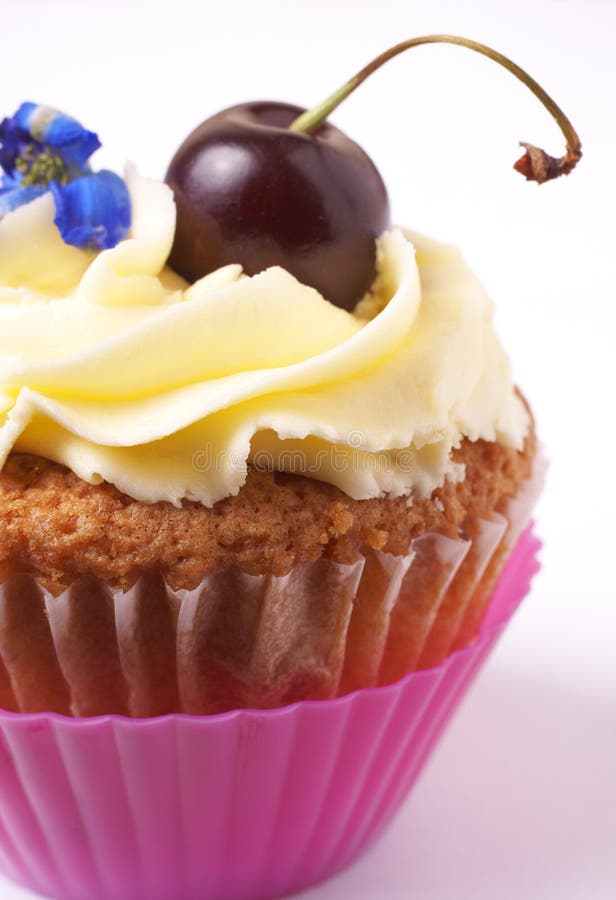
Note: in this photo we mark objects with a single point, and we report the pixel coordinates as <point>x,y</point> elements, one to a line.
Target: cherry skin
<point>250,191</point>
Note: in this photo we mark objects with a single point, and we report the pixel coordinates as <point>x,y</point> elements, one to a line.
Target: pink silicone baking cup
<point>245,805</point>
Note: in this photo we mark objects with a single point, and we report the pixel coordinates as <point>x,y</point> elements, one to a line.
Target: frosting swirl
<point>113,366</point>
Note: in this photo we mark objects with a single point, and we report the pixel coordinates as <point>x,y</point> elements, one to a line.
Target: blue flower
<point>42,150</point>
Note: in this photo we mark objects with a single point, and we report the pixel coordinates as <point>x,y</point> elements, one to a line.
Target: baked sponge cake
<point>77,559</point>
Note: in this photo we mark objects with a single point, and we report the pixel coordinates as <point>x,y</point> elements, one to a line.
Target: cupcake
<point>243,525</point>
<point>202,524</point>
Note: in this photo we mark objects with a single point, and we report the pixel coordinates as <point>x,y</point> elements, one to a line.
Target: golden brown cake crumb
<point>58,527</point>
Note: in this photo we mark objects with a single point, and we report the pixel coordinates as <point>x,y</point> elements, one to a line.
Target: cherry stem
<point>535,164</point>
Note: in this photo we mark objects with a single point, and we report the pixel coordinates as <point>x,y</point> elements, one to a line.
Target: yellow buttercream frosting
<point>113,366</point>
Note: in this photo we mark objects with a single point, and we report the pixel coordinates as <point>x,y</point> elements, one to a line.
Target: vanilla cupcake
<point>235,494</point>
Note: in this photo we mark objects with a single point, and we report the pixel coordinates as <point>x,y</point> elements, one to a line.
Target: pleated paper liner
<point>246,805</point>
<point>251,641</point>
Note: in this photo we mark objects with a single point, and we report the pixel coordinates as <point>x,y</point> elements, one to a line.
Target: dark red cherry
<point>266,184</point>
<point>248,190</point>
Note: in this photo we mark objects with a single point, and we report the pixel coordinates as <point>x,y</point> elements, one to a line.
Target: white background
<point>520,799</point>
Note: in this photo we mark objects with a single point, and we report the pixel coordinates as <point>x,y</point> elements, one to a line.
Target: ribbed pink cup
<point>244,805</point>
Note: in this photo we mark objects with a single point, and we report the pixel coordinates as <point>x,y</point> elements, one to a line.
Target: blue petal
<point>13,197</point>
<point>93,212</point>
<point>74,143</point>
<point>55,129</point>
<point>9,182</point>
<point>24,115</point>
<point>13,138</point>
<point>48,126</point>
